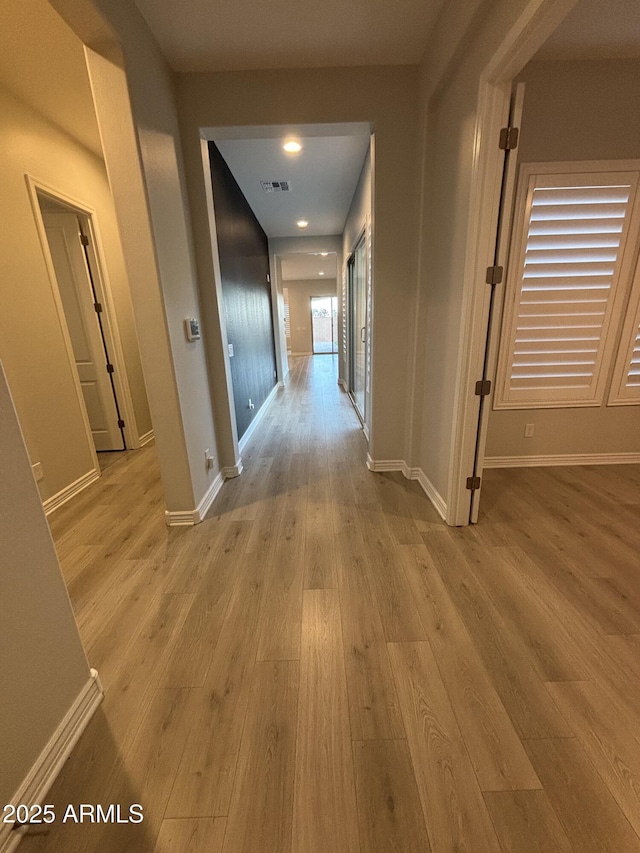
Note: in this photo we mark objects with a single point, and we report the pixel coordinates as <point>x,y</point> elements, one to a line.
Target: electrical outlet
<point>209,460</point>
<point>529,430</point>
<point>38,473</point>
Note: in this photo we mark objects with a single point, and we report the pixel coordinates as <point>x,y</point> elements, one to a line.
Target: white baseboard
<point>210,495</point>
<point>418,474</point>
<point>343,384</point>
<point>429,489</point>
<point>561,459</point>
<point>385,464</point>
<point>232,471</point>
<point>189,517</point>
<point>365,430</point>
<point>146,438</point>
<point>258,417</point>
<point>42,775</point>
<point>70,491</point>
<point>282,382</point>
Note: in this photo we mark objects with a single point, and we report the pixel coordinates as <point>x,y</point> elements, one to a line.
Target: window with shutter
<point>563,300</point>
<point>625,387</point>
<point>287,316</point>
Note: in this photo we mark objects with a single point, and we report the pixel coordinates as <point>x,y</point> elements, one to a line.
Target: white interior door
<point>77,298</point>
<point>494,320</point>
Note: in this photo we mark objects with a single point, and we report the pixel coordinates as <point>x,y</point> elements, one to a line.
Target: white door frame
<point>538,20</point>
<point>38,187</point>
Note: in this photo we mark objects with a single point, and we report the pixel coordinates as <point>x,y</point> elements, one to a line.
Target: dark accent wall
<point>244,266</point>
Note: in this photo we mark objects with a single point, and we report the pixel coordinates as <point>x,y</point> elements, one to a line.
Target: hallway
<point>323,666</point>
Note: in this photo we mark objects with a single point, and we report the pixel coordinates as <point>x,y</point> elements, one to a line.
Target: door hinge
<point>110,368</point>
<point>494,275</point>
<point>97,307</point>
<point>121,424</point>
<point>509,138</point>
<point>473,483</point>
<point>84,239</point>
<point>483,387</point>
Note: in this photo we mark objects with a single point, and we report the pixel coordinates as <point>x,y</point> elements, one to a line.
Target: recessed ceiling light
<point>292,146</point>
<point>302,223</point>
<point>324,254</point>
<point>321,273</point>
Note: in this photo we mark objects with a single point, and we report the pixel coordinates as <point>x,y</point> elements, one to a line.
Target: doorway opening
<point>324,324</point>
<point>541,424</point>
<point>310,205</point>
<point>78,283</point>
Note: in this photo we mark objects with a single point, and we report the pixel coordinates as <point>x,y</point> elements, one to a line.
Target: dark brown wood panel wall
<point>244,265</point>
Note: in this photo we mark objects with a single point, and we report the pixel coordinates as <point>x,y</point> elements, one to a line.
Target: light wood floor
<point>324,667</point>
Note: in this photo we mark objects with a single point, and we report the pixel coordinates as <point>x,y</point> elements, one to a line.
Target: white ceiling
<point>200,35</point>
<point>42,63</point>
<point>323,177</point>
<point>596,29</point>
<point>305,267</point>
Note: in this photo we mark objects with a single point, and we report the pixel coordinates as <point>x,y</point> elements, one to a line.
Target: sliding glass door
<point>357,277</point>
<point>324,320</point>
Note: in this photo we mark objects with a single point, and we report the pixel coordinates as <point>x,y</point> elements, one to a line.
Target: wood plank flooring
<point>323,666</point>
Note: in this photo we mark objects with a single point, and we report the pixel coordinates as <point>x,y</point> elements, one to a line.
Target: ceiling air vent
<point>276,186</point>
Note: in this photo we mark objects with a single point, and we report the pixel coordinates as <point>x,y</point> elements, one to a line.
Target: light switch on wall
<point>192,329</point>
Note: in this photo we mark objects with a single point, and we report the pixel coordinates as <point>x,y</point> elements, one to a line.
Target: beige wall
<point>41,658</point>
<point>385,97</point>
<point>574,111</point>
<point>137,121</point>
<point>31,339</point>
<point>300,293</point>
<point>142,134</point>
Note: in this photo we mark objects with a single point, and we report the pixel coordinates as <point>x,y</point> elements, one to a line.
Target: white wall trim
<point>42,774</point>
<point>430,490</point>
<point>147,438</point>
<point>187,518</point>
<point>562,459</point>
<point>242,443</point>
<point>232,471</point>
<point>379,465</point>
<point>343,385</point>
<point>70,491</point>
<point>209,497</point>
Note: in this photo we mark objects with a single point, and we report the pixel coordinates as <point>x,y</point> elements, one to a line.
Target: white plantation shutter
<point>632,383</point>
<point>625,388</point>
<point>287,316</point>
<point>633,376</point>
<point>563,302</point>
